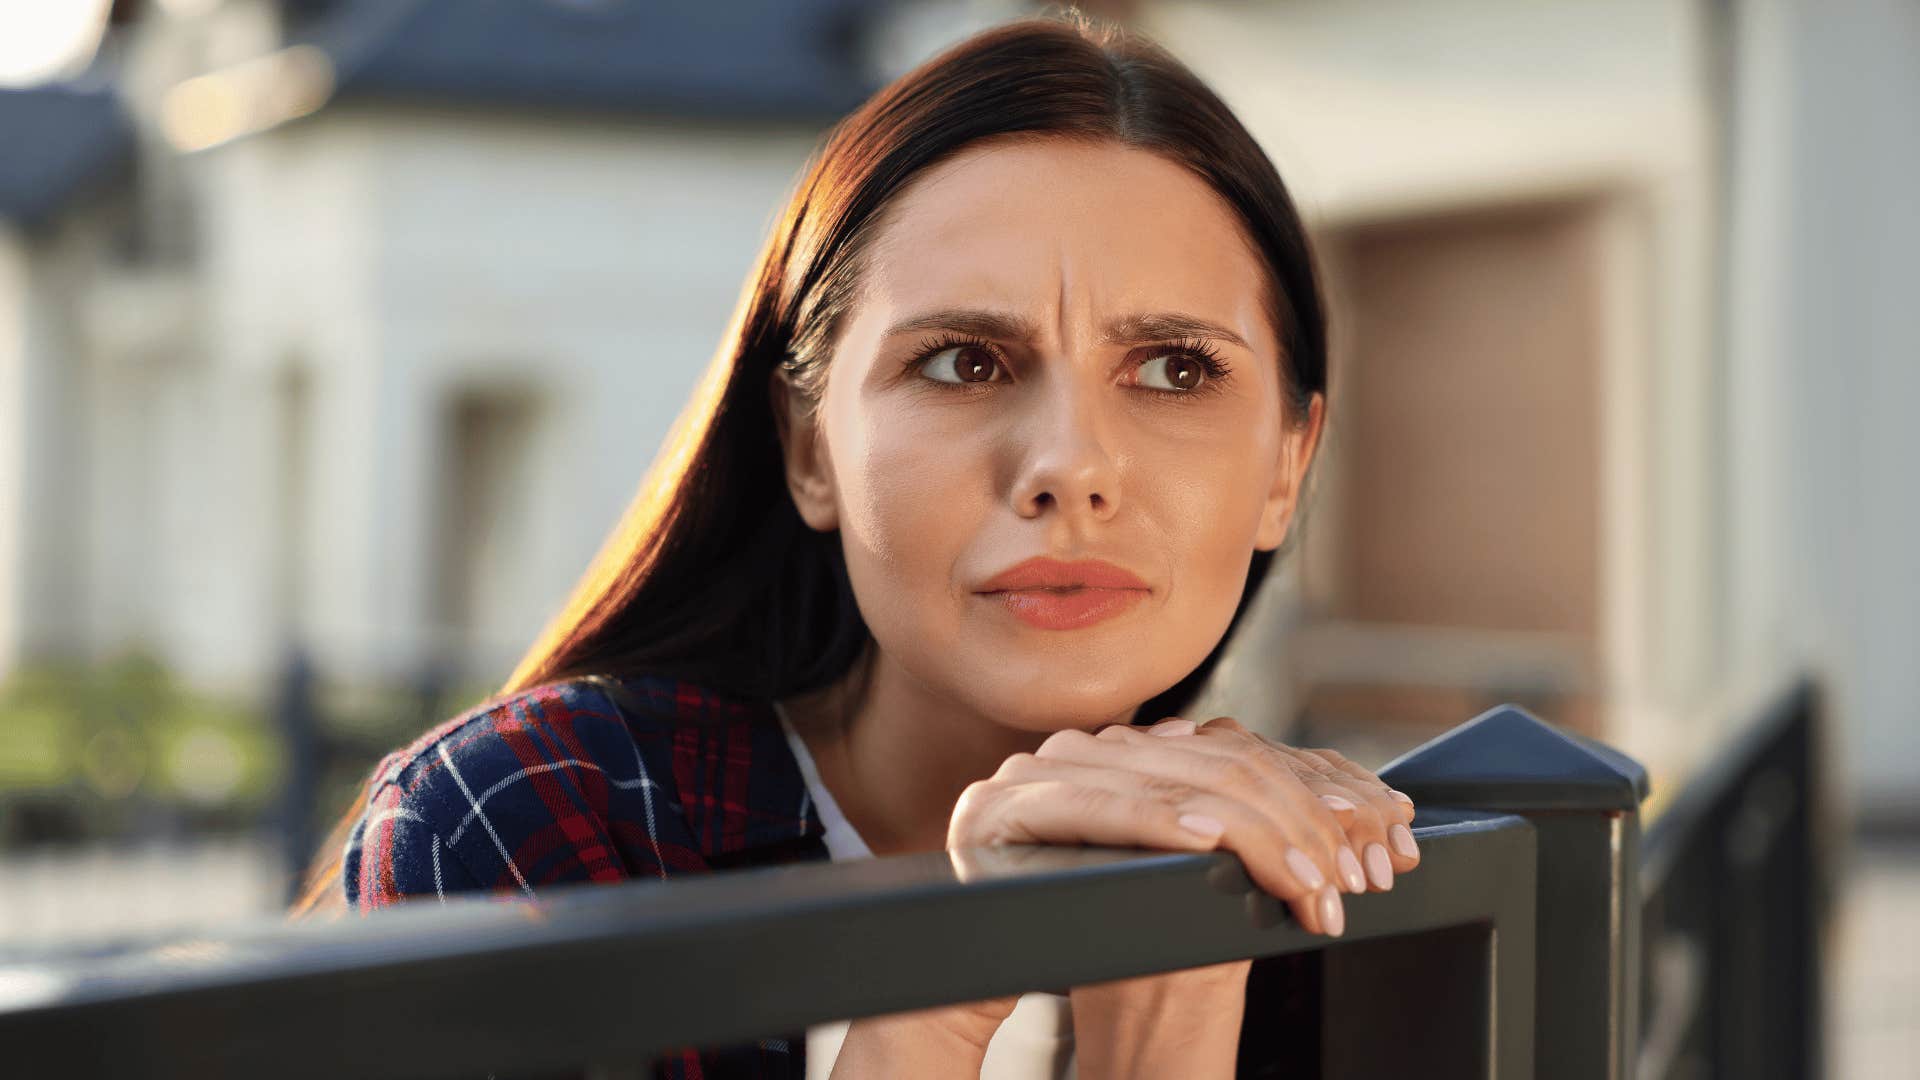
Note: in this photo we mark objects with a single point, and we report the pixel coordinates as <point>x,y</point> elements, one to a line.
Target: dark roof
<point>710,58</point>
<point>56,143</point>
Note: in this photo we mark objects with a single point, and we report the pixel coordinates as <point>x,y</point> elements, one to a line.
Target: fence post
<point>294,715</point>
<point>1583,799</point>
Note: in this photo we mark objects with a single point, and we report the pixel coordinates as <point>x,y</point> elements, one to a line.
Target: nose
<point>1067,464</point>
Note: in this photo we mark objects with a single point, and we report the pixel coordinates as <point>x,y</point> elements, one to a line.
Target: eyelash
<point>1196,349</point>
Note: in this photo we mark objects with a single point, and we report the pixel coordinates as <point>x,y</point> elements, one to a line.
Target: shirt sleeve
<point>398,853</point>
<point>539,790</point>
<point>542,790</point>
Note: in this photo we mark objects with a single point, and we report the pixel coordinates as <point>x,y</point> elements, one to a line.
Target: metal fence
<point>1736,894</point>
<point>1514,950</point>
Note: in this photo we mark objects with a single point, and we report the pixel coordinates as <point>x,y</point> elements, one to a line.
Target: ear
<point>809,470</point>
<point>1297,446</point>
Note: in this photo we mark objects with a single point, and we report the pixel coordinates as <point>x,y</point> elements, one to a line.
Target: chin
<point>1062,700</point>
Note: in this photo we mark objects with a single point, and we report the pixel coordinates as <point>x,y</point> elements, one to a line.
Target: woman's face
<point>1001,392</point>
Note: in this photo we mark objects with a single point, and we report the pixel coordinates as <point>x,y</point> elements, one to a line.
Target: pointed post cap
<point>1508,759</point>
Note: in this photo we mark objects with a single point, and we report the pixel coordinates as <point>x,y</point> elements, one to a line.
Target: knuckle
<point>969,805</point>
<point>980,792</point>
<point>1064,741</point>
<point>1169,791</point>
<point>1018,766</point>
<point>1235,774</point>
<point>1327,838</point>
<point>1089,800</point>
<point>1370,818</point>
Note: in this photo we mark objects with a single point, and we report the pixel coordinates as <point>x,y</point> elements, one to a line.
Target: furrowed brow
<point>1124,330</point>
<point>995,325</point>
<point>1164,326</point>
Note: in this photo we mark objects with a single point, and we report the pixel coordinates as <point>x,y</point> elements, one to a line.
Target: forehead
<point>1028,223</point>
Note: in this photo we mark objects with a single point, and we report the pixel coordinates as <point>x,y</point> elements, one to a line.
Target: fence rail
<point>1734,901</point>
<point>1513,951</point>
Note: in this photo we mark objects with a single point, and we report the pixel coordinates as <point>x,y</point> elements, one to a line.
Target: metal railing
<point>1734,900</point>
<point>1513,951</point>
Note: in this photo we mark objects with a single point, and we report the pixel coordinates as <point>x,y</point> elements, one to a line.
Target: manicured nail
<point>1336,802</point>
<point>1379,870</point>
<point>1172,727</point>
<point>1333,916</point>
<point>1402,840</point>
<point>1304,871</point>
<point>1401,795</point>
<point>1202,825</point>
<point>1350,874</point>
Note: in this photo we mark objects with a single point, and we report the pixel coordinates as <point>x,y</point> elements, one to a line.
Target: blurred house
<point>357,323</point>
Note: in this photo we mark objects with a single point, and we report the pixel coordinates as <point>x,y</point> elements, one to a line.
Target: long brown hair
<point>711,575</point>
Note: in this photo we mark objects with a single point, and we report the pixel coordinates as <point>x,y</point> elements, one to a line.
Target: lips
<point>1049,594</point>
<point>1045,573</point>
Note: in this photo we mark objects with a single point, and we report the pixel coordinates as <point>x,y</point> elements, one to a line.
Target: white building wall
<point>598,263</point>
<point>13,443</point>
<point>51,531</point>
<point>286,265</point>
<point>1823,258</point>
<point>401,257</point>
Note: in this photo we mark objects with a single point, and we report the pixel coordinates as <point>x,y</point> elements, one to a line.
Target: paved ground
<point>97,893</point>
<point>1875,1008</point>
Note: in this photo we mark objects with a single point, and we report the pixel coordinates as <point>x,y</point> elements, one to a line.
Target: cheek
<point>908,504</point>
<point>1210,509</point>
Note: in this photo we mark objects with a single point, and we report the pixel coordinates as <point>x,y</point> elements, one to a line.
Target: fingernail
<point>1350,874</point>
<point>1172,727</point>
<point>1304,871</point>
<point>1402,840</point>
<point>1401,795</point>
<point>1379,870</point>
<point>1338,803</point>
<point>1202,825</point>
<point>1333,916</point>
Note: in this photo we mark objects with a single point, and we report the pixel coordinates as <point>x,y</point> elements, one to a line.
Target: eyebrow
<point>1122,330</point>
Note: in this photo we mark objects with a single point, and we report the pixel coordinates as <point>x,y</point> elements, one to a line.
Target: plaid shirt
<point>592,779</point>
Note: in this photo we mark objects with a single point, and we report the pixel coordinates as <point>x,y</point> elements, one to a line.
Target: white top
<point>1035,1042</point>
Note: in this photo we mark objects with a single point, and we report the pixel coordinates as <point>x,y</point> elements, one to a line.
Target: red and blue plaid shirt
<point>591,779</point>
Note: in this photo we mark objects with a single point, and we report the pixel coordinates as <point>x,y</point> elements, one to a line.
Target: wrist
<point>1202,1046</point>
<point>1178,1026</point>
<point>909,1044</point>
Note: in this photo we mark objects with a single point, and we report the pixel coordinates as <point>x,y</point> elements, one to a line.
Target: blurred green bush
<point>124,748</point>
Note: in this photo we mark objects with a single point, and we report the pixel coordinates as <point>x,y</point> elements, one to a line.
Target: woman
<point>1015,411</point>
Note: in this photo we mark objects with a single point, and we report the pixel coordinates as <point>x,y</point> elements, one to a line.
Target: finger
<point>1362,779</point>
<point>1394,807</point>
<point>1281,869</point>
<point>1270,799</point>
<point>1367,822</point>
<point>1059,811</point>
<point>1334,817</point>
<point>1236,770</point>
<point>1376,828</point>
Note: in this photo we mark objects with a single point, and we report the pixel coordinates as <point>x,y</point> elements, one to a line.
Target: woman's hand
<point>1306,824</point>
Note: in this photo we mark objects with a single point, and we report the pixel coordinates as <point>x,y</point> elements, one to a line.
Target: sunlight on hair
<point>630,549</point>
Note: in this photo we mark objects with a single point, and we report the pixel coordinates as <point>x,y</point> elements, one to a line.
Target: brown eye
<point>1172,371</point>
<point>961,364</point>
